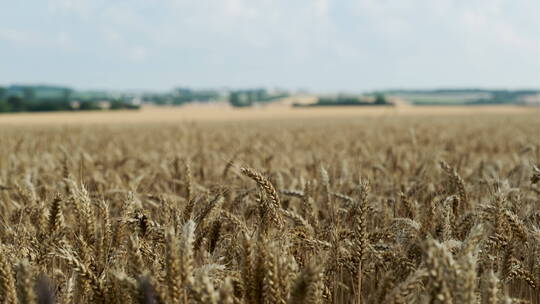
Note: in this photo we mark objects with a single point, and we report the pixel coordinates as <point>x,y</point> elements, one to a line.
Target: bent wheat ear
<point>274,205</point>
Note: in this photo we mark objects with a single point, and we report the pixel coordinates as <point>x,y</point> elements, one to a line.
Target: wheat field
<point>387,209</point>
<point>221,112</point>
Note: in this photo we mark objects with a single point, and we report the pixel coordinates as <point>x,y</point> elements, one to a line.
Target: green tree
<point>239,99</point>
<point>66,95</point>
<point>4,107</point>
<point>116,105</point>
<point>46,106</point>
<point>3,103</point>
<point>380,99</point>
<point>29,95</point>
<point>88,105</point>
<point>16,104</point>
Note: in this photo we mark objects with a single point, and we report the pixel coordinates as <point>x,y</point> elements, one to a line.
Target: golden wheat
<point>377,210</point>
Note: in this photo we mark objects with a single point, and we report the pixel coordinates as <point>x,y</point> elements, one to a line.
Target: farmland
<point>273,205</point>
<point>223,112</point>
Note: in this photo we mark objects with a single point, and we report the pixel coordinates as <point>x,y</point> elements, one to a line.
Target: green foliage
<point>16,104</point>
<point>3,102</point>
<point>49,98</point>
<point>119,105</point>
<point>503,97</point>
<point>344,100</point>
<point>380,99</point>
<point>35,99</point>
<point>4,106</point>
<point>160,99</point>
<point>20,104</point>
<point>49,105</point>
<point>245,98</point>
<point>185,95</point>
<point>238,99</point>
<point>116,105</point>
<point>88,106</point>
<point>462,96</point>
<point>340,100</point>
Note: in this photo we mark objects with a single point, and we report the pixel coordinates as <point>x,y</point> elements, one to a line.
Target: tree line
<point>31,99</point>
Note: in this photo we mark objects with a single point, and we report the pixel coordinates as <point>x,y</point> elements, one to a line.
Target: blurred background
<point>72,55</point>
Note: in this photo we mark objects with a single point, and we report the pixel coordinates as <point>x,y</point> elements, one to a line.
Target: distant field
<point>225,113</point>
<point>457,98</point>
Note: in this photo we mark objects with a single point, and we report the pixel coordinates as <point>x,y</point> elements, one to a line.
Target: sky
<point>318,45</point>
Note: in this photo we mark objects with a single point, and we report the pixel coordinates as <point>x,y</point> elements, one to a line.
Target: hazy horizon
<point>320,46</point>
<point>298,90</point>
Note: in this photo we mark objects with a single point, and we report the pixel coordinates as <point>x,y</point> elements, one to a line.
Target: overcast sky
<point>322,45</point>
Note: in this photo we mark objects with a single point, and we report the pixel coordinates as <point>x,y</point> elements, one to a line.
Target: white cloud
<point>64,40</point>
<point>266,35</point>
<point>82,8</point>
<point>489,26</point>
<point>19,36</point>
<point>111,35</point>
<point>138,53</point>
<point>322,7</point>
<point>239,9</point>
<point>33,39</point>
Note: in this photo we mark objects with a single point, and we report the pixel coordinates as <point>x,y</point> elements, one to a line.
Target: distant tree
<point>3,103</point>
<point>239,99</point>
<point>251,97</point>
<point>48,106</point>
<point>176,100</point>
<point>28,95</point>
<point>161,99</point>
<point>130,106</point>
<point>4,106</point>
<point>380,99</point>
<point>116,105</point>
<point>326,101</point>
<point>16,104</point>
<point>88,105</point>
<point>234,99</point>
<point>66,95</point>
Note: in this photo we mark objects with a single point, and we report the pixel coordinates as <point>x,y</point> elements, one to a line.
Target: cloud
<point>239,9</point>
<point>82,8</point>
<point>322,7</point>
<point>490,25</point>
<point>64,40</point>
<point>17,36</point>
<point>111,35</point>
<point>242,37</point>
<point>24,38</point>
<point>138,53</point>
